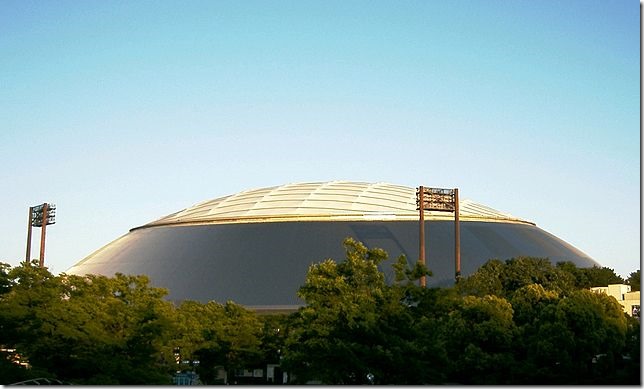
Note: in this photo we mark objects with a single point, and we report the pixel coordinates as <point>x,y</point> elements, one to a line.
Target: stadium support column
<point>443,200</point>
<point>28,255</point>
<point>457,237</point>
<point>42,234</point>
<point>420,198</point>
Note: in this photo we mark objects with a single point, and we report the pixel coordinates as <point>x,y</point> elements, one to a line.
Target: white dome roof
<point>325,201</point>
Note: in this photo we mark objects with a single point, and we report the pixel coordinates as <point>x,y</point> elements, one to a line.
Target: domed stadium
<point>255,247</point>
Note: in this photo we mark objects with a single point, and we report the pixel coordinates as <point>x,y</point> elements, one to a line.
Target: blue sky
<point>121,112</point>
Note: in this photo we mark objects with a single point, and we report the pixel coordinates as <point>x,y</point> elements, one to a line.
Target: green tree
<point>580,276</point>
<point>215,335</point>
<point>5,281</point>
<point>31,287</point>
<point>634,280</point>
<point>86,330</point>
<point>630,372</point>
<point>601,276</point>
<point>529,302</point>
<point>197,327</point>
<point>503,279</point>
<point>354,328</point>
<point>539,335</point>
<point>275,327</point>
<point>560,337</point>
<point>587,277</point>
<point>487,280</point>
<point>427,311</point>
<point>479,335</point>
<point>242,334</point>
<point>10,370</point>
<point>598,326</point>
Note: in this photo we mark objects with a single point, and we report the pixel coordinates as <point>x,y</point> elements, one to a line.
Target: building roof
<point>255,247</point>
<point>324,201</point>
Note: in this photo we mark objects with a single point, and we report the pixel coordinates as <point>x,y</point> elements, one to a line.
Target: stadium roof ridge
<point>324,201</point>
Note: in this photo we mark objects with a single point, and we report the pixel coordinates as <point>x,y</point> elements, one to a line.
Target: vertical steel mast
<point>40,216</point>
<point>439,199</point>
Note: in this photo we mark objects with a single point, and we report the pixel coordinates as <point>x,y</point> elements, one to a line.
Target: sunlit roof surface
<point>335,200</point>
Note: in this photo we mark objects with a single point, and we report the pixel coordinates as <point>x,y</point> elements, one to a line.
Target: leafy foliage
<point>589,277</point>
<point>86,328</point>
<point>479,336</point>
<point>634,280</point>
<point>520,321</point>
<point>503,279</point>
<point>354,328</point>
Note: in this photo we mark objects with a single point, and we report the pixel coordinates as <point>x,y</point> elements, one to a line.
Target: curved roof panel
<point>335,200</point>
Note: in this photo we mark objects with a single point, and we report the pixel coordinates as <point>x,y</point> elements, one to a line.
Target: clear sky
<point>121,112</point>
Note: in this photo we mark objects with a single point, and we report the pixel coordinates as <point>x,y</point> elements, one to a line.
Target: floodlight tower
<point>439,199</point>
<point>40,216</point>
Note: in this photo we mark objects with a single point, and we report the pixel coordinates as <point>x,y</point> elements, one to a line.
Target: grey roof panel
<point>263,264</point>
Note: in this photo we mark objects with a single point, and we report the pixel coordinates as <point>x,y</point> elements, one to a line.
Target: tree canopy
<point>634,280</point>
<point>89,329</point>
<point>353,318</point>
<point>518,321</point>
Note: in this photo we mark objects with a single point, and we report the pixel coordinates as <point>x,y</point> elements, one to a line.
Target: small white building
<point>630,301</point>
